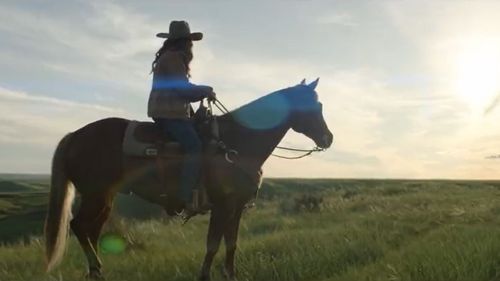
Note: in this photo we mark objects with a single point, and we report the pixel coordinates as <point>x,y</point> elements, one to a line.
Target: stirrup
<point>187,215</point>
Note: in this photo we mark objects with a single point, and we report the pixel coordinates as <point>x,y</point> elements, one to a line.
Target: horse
<point>90,160</point>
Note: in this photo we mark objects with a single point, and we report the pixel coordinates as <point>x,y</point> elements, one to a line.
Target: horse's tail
<point>62,194</point>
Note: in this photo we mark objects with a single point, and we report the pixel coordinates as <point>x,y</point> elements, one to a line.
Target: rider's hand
<point>211,96</point>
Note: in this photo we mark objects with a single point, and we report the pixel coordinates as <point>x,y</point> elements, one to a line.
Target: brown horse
<point>91,158</point>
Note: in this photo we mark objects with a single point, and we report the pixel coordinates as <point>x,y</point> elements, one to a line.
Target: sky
<point>409,88</point>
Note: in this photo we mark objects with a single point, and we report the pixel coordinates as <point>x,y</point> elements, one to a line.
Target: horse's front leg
<point>218,219</point>
<point>230,238</point>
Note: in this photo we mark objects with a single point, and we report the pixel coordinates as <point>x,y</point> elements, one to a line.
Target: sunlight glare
<point>478,73</point>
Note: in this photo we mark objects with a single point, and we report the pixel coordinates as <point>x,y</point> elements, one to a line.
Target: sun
<point>478,73</point>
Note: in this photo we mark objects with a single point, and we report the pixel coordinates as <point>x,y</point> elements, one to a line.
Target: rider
<point>170,98</point>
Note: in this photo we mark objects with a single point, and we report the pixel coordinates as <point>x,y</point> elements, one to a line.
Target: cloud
<point>390,108</point>
<point>102,45</point>
<point>8,96</point>
<point>337,18</point>
<point>492,105</point>
<point>40,120</point>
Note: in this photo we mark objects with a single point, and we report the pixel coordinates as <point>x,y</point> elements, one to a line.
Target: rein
<point>308,152</point>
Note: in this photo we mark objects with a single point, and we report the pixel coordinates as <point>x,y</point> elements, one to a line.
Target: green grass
<point>366,230</point>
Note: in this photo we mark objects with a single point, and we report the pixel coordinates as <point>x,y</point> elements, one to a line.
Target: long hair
<point>184,45</point>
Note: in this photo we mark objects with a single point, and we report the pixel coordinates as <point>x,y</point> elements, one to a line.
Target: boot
<point>200,203</point>
<point>191,209</point>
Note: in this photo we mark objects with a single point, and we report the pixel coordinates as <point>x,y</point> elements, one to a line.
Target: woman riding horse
<point>169,103</point>
<point>90,160</point>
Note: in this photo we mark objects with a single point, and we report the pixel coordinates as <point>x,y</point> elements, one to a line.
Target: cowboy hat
<point>180,29</point>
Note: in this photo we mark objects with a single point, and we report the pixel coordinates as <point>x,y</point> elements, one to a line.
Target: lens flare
<point>266,113</point>
<point>112,244</point>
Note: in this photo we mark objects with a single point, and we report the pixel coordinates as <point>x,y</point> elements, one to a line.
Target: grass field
<point>364,230</point>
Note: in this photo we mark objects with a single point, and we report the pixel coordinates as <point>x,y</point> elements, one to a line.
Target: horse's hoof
<point>95,275</point>
<point>227,276</point>
<point>230,278</point>
<point>204,278</point>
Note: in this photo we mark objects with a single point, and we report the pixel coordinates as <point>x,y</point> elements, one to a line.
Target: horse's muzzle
<point>326,141</point>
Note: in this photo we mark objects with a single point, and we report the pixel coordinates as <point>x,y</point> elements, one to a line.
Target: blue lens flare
<point>265,113</point>
<point>161,83</point>
<point>274,109</point>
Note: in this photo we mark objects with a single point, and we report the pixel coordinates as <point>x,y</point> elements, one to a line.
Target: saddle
<point>146,139</point>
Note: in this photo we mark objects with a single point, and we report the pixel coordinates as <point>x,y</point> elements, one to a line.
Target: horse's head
<point>307,117</point>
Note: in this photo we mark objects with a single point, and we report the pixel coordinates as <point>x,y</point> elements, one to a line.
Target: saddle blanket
<point>144,139</point>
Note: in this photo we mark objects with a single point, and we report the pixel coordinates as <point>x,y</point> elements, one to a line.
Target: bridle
<point>217,103</point>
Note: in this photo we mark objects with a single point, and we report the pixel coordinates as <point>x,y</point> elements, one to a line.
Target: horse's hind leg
<point>87,225</point>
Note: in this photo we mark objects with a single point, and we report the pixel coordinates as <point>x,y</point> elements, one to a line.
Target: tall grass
<point>395,230</point>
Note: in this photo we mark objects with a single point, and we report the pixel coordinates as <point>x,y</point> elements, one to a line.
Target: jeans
<point>183,132</point>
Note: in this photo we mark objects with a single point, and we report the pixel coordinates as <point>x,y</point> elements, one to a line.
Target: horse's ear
<point>303,82</point>
<point>314,84</point>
